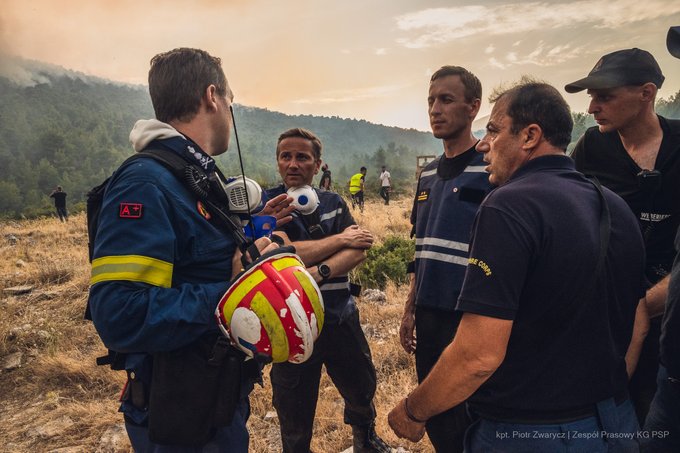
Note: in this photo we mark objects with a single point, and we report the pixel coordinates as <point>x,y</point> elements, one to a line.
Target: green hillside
<point>64,128</point>
<point>59,127</point>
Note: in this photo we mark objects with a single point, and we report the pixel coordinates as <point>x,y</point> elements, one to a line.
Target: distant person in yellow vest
<point>356,189</point>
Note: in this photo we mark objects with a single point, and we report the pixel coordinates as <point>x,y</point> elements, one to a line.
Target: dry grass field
<point>53,397</point>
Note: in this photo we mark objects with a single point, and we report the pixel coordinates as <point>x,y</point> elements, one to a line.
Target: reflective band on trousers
<point>133,268</point>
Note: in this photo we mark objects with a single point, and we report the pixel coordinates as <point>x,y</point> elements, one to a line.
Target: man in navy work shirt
<point>636,153</point>
<point>330,244</point>
<point>662,425</point>
<point>549,298</point>
<point>450,189</point>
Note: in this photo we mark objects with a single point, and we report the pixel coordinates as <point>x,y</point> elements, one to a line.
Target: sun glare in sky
<point>352,59</point>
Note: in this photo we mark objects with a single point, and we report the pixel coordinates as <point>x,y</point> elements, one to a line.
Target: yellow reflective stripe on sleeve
<point>284,263</point>
<point>272,325</point>
<point>313,296</point>
<point>132,268</point>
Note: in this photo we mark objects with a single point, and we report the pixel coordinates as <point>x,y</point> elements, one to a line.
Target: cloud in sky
<point>360,94</point>
<point>436,26</point>
<point>542,55</point>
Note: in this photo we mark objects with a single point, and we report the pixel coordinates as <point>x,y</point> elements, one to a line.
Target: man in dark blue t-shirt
<point>330,244</point>
<point>549,297</point>
<point>662,425</point>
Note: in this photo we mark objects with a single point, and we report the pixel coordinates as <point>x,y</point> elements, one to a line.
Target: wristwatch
<point>324,271</point>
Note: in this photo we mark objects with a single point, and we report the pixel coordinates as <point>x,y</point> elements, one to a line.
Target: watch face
<point>324,270</point>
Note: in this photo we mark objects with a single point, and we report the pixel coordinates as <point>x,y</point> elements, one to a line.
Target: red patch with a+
<point>130,210</point>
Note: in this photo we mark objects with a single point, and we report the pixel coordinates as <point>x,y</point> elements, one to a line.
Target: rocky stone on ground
<point>12,361</point>
<point>374,295</point>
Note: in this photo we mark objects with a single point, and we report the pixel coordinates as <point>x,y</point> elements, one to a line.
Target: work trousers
<point>62,213</point>
<point>642,385</point>
<point>385,194</point>
<point>343,349</point>
<point>662,428</point>
<point>435,329</point>
<point>613,429</point>
<point>229,439</point>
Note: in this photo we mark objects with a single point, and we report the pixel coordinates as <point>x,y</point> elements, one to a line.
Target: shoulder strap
<point>191,175</point>
<point>605,227</point>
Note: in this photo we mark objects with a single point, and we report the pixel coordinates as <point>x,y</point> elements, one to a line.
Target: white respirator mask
<point>305,199</point>
<point>243,194</point>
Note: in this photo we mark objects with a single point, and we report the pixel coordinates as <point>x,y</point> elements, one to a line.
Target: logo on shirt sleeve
<point>201,210</point>
<point>481,264</point>
<point>130,211</point>
<point>423,195</point>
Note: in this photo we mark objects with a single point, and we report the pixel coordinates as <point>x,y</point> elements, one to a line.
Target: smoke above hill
<point>29,73</point>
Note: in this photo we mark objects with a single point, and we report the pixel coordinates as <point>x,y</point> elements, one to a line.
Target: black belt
<point>522,417</point>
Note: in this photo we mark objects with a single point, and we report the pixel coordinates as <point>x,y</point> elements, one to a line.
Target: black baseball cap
<point>623,67</point>
<point>673,41</point>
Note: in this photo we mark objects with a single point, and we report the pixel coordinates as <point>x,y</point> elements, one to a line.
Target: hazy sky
<point>367,59</point>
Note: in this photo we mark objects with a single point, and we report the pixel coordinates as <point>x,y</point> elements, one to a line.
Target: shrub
<point>386,262</point>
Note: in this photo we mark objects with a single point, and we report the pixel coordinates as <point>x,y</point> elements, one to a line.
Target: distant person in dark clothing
<point>325,182</point>
<point>60,203</point>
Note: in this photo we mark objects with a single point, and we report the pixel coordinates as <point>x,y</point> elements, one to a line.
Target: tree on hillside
<point>670,108</point>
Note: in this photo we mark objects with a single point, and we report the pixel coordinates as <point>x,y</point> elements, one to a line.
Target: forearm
<point>408,319</point>
<point>656,297</point>
<point>410,304</point>
<point>317,251</point>
<point>640,330</point>
<point>340,263</point>
<point>476,352</point>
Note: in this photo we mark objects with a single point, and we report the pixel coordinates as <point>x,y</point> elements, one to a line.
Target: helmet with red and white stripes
<point>274,310</point>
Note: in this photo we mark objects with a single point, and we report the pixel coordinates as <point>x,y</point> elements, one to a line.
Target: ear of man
<point>475,105</point>
<point>531,137</point>
<point>211,98</point>
<point>648,92</point>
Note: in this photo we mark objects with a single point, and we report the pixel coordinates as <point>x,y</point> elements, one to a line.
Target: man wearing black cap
<point>636,153</point>
<point>662,427</point>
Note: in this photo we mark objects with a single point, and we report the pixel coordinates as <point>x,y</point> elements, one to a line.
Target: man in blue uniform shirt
<point>161,263</point>
<point>331,245</point>
<point>549,298</point>
<point>449,192</point>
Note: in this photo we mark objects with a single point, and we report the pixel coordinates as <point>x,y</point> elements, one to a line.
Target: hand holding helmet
<point>274,310</point>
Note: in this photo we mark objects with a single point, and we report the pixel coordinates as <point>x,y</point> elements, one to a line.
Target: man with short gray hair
<point>549,298</point>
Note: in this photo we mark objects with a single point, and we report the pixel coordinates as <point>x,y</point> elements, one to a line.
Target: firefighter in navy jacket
<point>161,262</point>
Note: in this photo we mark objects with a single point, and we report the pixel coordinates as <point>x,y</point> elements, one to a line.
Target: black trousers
<point>62,213</point>
<point>385,194</point>
<point>435,329</point>
<point>358,200</point>
<point>642,384</point>
<point>345,352</point>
